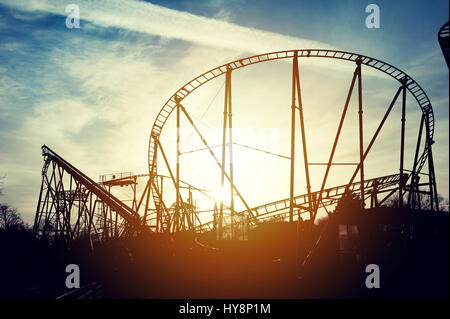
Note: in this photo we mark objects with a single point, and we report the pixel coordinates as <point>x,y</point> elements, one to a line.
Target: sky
<point>92,93</point>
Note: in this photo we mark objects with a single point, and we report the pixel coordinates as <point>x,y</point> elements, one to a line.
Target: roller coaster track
<point>122,209</point>
<point>414,88</point>
<point>327,196</point>
<point>280,208</point>
<point>406,81</point>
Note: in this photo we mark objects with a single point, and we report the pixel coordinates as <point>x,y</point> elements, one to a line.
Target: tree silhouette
<point>425,202</point>
<point>9,218</point>
<point>348,203</point>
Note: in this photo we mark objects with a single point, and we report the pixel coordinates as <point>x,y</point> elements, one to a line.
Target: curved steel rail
<point>414,88</point>
<point>280,208</point>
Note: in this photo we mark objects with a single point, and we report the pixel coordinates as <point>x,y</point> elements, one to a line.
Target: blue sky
<point>92,93</point>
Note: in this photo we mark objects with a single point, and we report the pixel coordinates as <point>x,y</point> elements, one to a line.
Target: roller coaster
<point>72,205</point>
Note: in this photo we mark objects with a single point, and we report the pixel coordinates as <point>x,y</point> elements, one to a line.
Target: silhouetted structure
<point>444,43</point>
<point>72,205</point>
<point>194,258</point>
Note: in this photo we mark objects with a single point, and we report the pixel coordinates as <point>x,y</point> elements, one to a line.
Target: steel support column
<point>434,200</point>
<point>292,175</point>
<point>361,131</point>
<point>177,205</point>
<point>402,145</point>
<point>296,94</point>
<point>230,146</point>
<point>414,195</point>
<point>226,121</point>
<point>230,143</point>
<point>302,127</point>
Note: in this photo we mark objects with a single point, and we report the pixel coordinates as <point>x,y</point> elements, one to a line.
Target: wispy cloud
<point>153,19</point>
<point>217,32</point>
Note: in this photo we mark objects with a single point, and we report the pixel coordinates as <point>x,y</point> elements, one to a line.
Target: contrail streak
<point>157,20</point>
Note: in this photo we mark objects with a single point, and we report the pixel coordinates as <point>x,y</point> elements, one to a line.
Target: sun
<point>219,195</point>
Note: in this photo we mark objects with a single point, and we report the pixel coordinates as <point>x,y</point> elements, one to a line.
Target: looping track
<point>413,87</point>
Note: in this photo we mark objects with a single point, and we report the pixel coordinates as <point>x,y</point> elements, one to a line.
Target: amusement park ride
<point>72,205</point>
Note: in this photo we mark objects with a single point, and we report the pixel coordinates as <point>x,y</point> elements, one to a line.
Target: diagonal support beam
<point>374,137</point>
<point>217,162</point>
<point>336,139</point>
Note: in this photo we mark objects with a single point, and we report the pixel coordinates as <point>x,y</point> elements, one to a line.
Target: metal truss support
<point>361,131</point>
<point>402,144</point>
<point>71,205</point>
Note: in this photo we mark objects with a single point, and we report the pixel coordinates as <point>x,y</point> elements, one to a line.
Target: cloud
<point>95,108</point>
<point>217,32</point>
<point>153,19</point>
